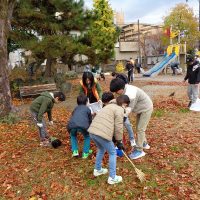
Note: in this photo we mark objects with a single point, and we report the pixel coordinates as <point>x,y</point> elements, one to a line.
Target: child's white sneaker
<point>115,180</point>
<point>133,143</point>
<point>146,146</point>
<point>100,172</point>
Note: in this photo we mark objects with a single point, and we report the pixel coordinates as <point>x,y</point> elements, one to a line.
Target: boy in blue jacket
<point>79,123</point>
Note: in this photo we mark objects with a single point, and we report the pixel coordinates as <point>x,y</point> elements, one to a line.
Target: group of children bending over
<point>105,128</point>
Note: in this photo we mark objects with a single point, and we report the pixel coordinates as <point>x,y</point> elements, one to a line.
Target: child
<point>108,123</point>
<point>90,87</point>
<point>44,104</point>
<point>121,76</point>
<point>79,122</point>
<point>140,104</point>
<point>193,77</point>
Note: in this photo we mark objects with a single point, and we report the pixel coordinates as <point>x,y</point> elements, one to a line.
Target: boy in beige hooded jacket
<point>108,123</point>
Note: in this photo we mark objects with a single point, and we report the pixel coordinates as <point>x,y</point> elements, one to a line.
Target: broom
<point>139,173</point>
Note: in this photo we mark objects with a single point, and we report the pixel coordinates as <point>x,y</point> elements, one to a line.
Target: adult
<point>90,87</point>
<point>129,68</point>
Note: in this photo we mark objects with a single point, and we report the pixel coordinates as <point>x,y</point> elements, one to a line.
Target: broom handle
<point>129,159</point>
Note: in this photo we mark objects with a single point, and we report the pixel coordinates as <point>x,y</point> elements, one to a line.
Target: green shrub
<point>11,118</point>
<point>71,75</point>
<point>120,67</point>
<point>59,79</point>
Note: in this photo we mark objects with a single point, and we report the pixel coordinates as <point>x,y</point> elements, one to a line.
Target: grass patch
<point>184,110</point>
<point>179,164</point>
<point>158,113</point>
<point>176,148</point>
<point>11,118</point>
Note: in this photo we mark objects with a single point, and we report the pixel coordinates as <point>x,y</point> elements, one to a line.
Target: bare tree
<point>155,44</point>
<point>151,44</point>
<point>6,10</point>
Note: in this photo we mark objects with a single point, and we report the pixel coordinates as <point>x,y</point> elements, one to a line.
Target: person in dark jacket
<point>79,123</point>
<point>44,104</point>
<point>129,67</point>
<point>121,76</point>
<point>174,67</point>
<point>193,77</point>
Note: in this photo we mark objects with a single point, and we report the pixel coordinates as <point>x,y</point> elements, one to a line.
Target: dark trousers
<point>130,76</point>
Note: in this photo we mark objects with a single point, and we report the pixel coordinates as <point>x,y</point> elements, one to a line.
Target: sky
<point>147,11</point>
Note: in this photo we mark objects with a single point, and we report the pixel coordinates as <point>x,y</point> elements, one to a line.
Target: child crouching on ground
<point>79,122</point>
<point>41,105</point>
<point>108,123</point>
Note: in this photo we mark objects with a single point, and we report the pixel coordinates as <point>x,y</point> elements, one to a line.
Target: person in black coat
<point>129,68</point>
<point>193,77</point>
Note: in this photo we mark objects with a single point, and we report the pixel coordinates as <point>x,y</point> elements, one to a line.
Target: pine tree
<point>103,32</point>
<point>43,26</point>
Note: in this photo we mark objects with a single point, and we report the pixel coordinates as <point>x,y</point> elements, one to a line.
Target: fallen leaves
<point>29,171</point>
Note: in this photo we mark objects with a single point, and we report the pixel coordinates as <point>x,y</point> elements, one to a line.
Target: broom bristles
<point>140,174</point>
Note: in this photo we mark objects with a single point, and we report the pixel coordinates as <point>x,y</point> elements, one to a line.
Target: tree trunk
<point>48,69</point>
<point>5,95</point>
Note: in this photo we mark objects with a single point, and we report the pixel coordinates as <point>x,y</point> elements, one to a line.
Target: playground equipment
<point>174,52</point>
<point>160,65</point>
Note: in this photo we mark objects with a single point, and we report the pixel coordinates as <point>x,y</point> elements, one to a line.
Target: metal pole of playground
<point>139,52</point>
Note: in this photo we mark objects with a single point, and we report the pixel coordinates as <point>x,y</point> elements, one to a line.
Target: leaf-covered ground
<point>172,165</point>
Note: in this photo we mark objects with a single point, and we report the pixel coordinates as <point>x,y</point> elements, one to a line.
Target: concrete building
<point>134,41</point>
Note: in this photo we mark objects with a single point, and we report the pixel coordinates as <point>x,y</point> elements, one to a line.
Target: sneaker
<point>137,154</point>
<point>100,172</point>
<point>115,180</point>
<point>146,145</point>
<point>133,143</point>
<point>85,155</point>
<point>75,153</point>
<point>45,143</point>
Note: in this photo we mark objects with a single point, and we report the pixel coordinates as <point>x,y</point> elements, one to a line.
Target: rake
<point>140,174</point>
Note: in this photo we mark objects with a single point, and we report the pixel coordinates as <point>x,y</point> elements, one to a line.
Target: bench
<point>36,89</point>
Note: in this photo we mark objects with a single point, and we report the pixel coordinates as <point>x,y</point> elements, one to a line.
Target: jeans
<point>42,131</point>
<point>129,129</point>
<point>104,145</point>
<point>73,138</point>
<point>193,92</point>
<point>142,121</point>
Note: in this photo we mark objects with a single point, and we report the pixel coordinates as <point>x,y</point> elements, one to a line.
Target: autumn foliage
<point>29,171</point>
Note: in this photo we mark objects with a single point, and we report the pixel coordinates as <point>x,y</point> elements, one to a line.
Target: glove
<point>114,140</point>
<point>50,122</point>
<point>120,145</point>
<point>40,125</point>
